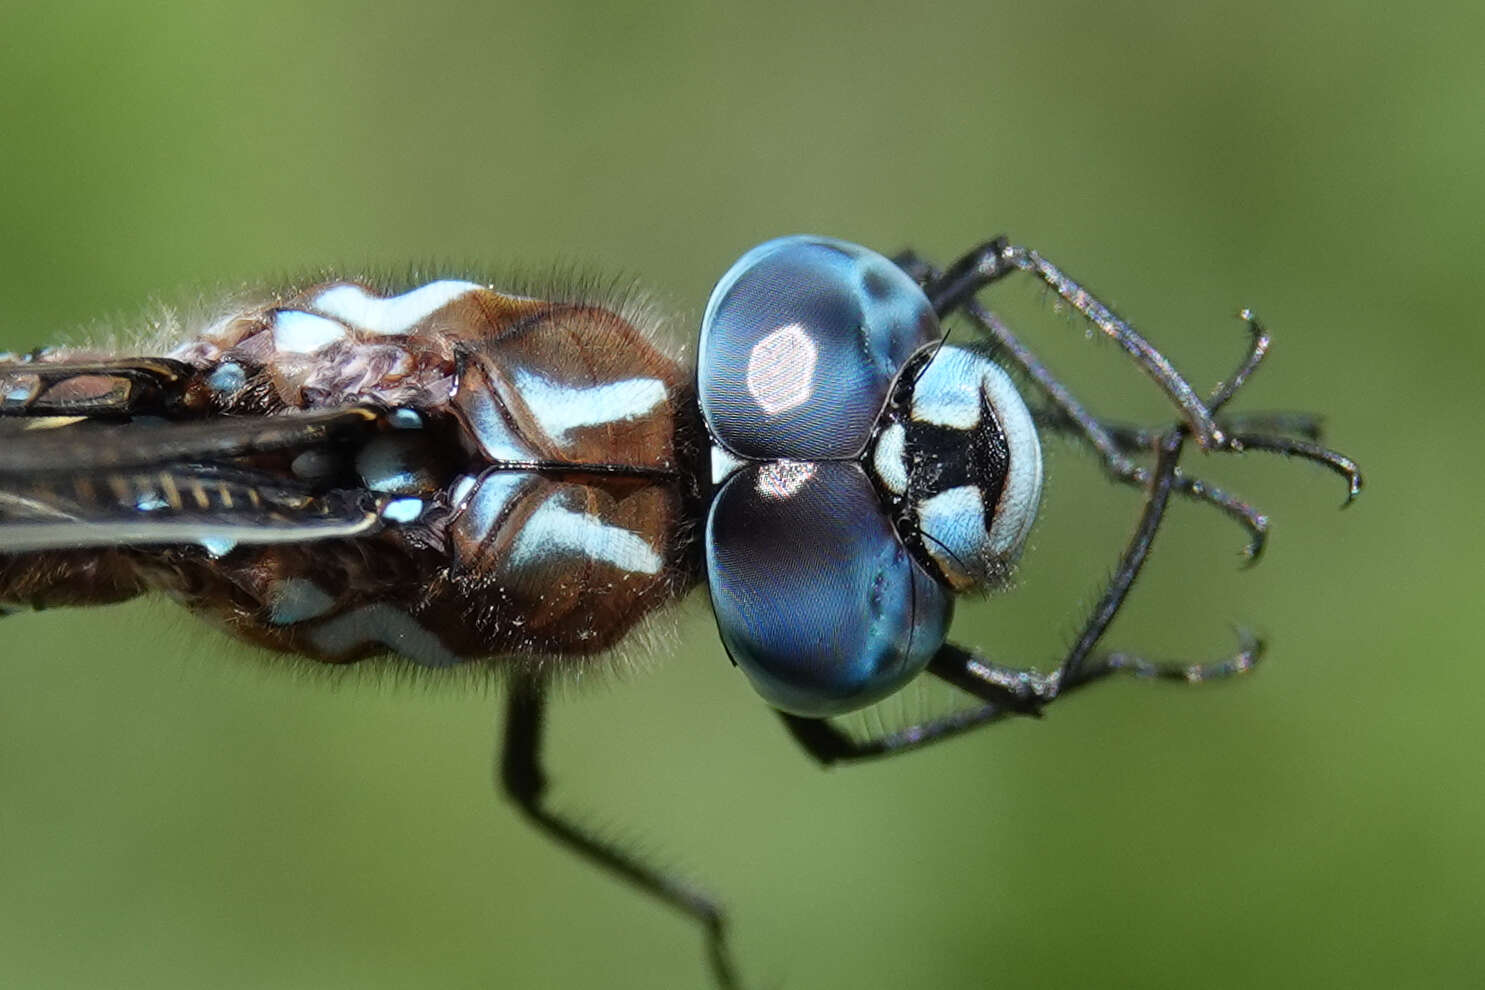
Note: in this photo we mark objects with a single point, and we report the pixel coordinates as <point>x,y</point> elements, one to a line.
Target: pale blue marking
<point>229,377</point>
<point>149,503</point>
<point>304,333</point>
<point>399,314</point>
<point>955,521</point>
<point>386,464</point>
<point>724,463</point>
<point>18,393</point>
<point>488,504</point>
<point>386,626</point>
<point>490,429</point>
<point>217,546</point>
<point>297,599</point>
<point>461,489</point>
<point>947,393</point>
<point>403,510</point>
<point>1021,494</point>
<point>890,459</point>
<point>563,408</point>
<point>553,528</point>
<point>405,419</point>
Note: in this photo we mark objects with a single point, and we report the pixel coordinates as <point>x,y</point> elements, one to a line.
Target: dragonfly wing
<point>121,387</point>
<point>218,483</point>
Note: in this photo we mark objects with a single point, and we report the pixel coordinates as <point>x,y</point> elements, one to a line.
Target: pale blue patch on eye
<point>18,393</point>
<point>490,429</point>
<point>229,377</point>
<point>297,599</point>
<point>405,419</point>
<point>554,528</point>
<point>563,408</point>
<point>403,510</point>
<point>954,522</point>
<point>399,314</point>
<point>217,546</point>
<point>386,626</point>
<point>304,333</point>
<point>890,459</point>
<point>149,503</point>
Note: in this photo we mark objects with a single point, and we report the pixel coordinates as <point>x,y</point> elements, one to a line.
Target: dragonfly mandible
<point>452,474</point>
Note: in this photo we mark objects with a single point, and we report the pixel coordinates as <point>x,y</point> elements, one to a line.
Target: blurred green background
<point>174,814</point>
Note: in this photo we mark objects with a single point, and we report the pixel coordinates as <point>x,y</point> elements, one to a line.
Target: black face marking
<point>940,459</point>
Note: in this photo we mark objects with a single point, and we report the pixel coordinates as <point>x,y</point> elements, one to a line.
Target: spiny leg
<point>1015,691</point>
<point>951,290</point>
<point>523,778</point>
<point>995,259</point>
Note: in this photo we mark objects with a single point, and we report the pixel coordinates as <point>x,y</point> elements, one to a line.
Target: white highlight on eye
<point>397,314</point>
<point>386,626</point>
<point>955,521</point>
<point>781,369</point>
<point>781,479</point>
<point>563,408</point>
<point>403,510</point>
<point>295,600</point>
<point>554,528</point>
<point>295,332</point>
<point>889,459</point>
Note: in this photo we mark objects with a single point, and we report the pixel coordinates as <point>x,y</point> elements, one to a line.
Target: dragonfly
<point>451,474</point>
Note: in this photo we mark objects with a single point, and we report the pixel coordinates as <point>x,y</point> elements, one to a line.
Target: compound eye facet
<point>800,345</point>
<point>816,597</point>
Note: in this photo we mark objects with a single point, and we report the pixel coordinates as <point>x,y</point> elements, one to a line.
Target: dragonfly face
<point>449,473</point>
<point>868,471</point>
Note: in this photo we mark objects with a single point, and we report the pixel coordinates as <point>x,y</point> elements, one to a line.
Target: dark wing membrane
<point>66,483</point>
<point>90,445</point>
<point>123,387</point>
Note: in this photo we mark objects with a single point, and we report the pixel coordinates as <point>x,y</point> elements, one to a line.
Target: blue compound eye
<point>800,344</point>
<point>816,597</point>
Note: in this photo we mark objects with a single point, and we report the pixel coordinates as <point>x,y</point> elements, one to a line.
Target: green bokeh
<point>173,814</point>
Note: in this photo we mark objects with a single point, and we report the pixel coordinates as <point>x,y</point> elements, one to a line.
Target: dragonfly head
<point>866,472</point>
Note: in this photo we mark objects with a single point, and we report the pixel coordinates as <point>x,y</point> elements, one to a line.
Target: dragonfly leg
<point>1117,446</point>
<point>524,780</point>
<point>1007,691</point>
<point>955,289</point>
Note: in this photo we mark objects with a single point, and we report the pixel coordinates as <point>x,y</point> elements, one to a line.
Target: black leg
<point>1114,445</point>
<point>1016,691</point>
<point>524,780</point>
<point>995,259</point>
